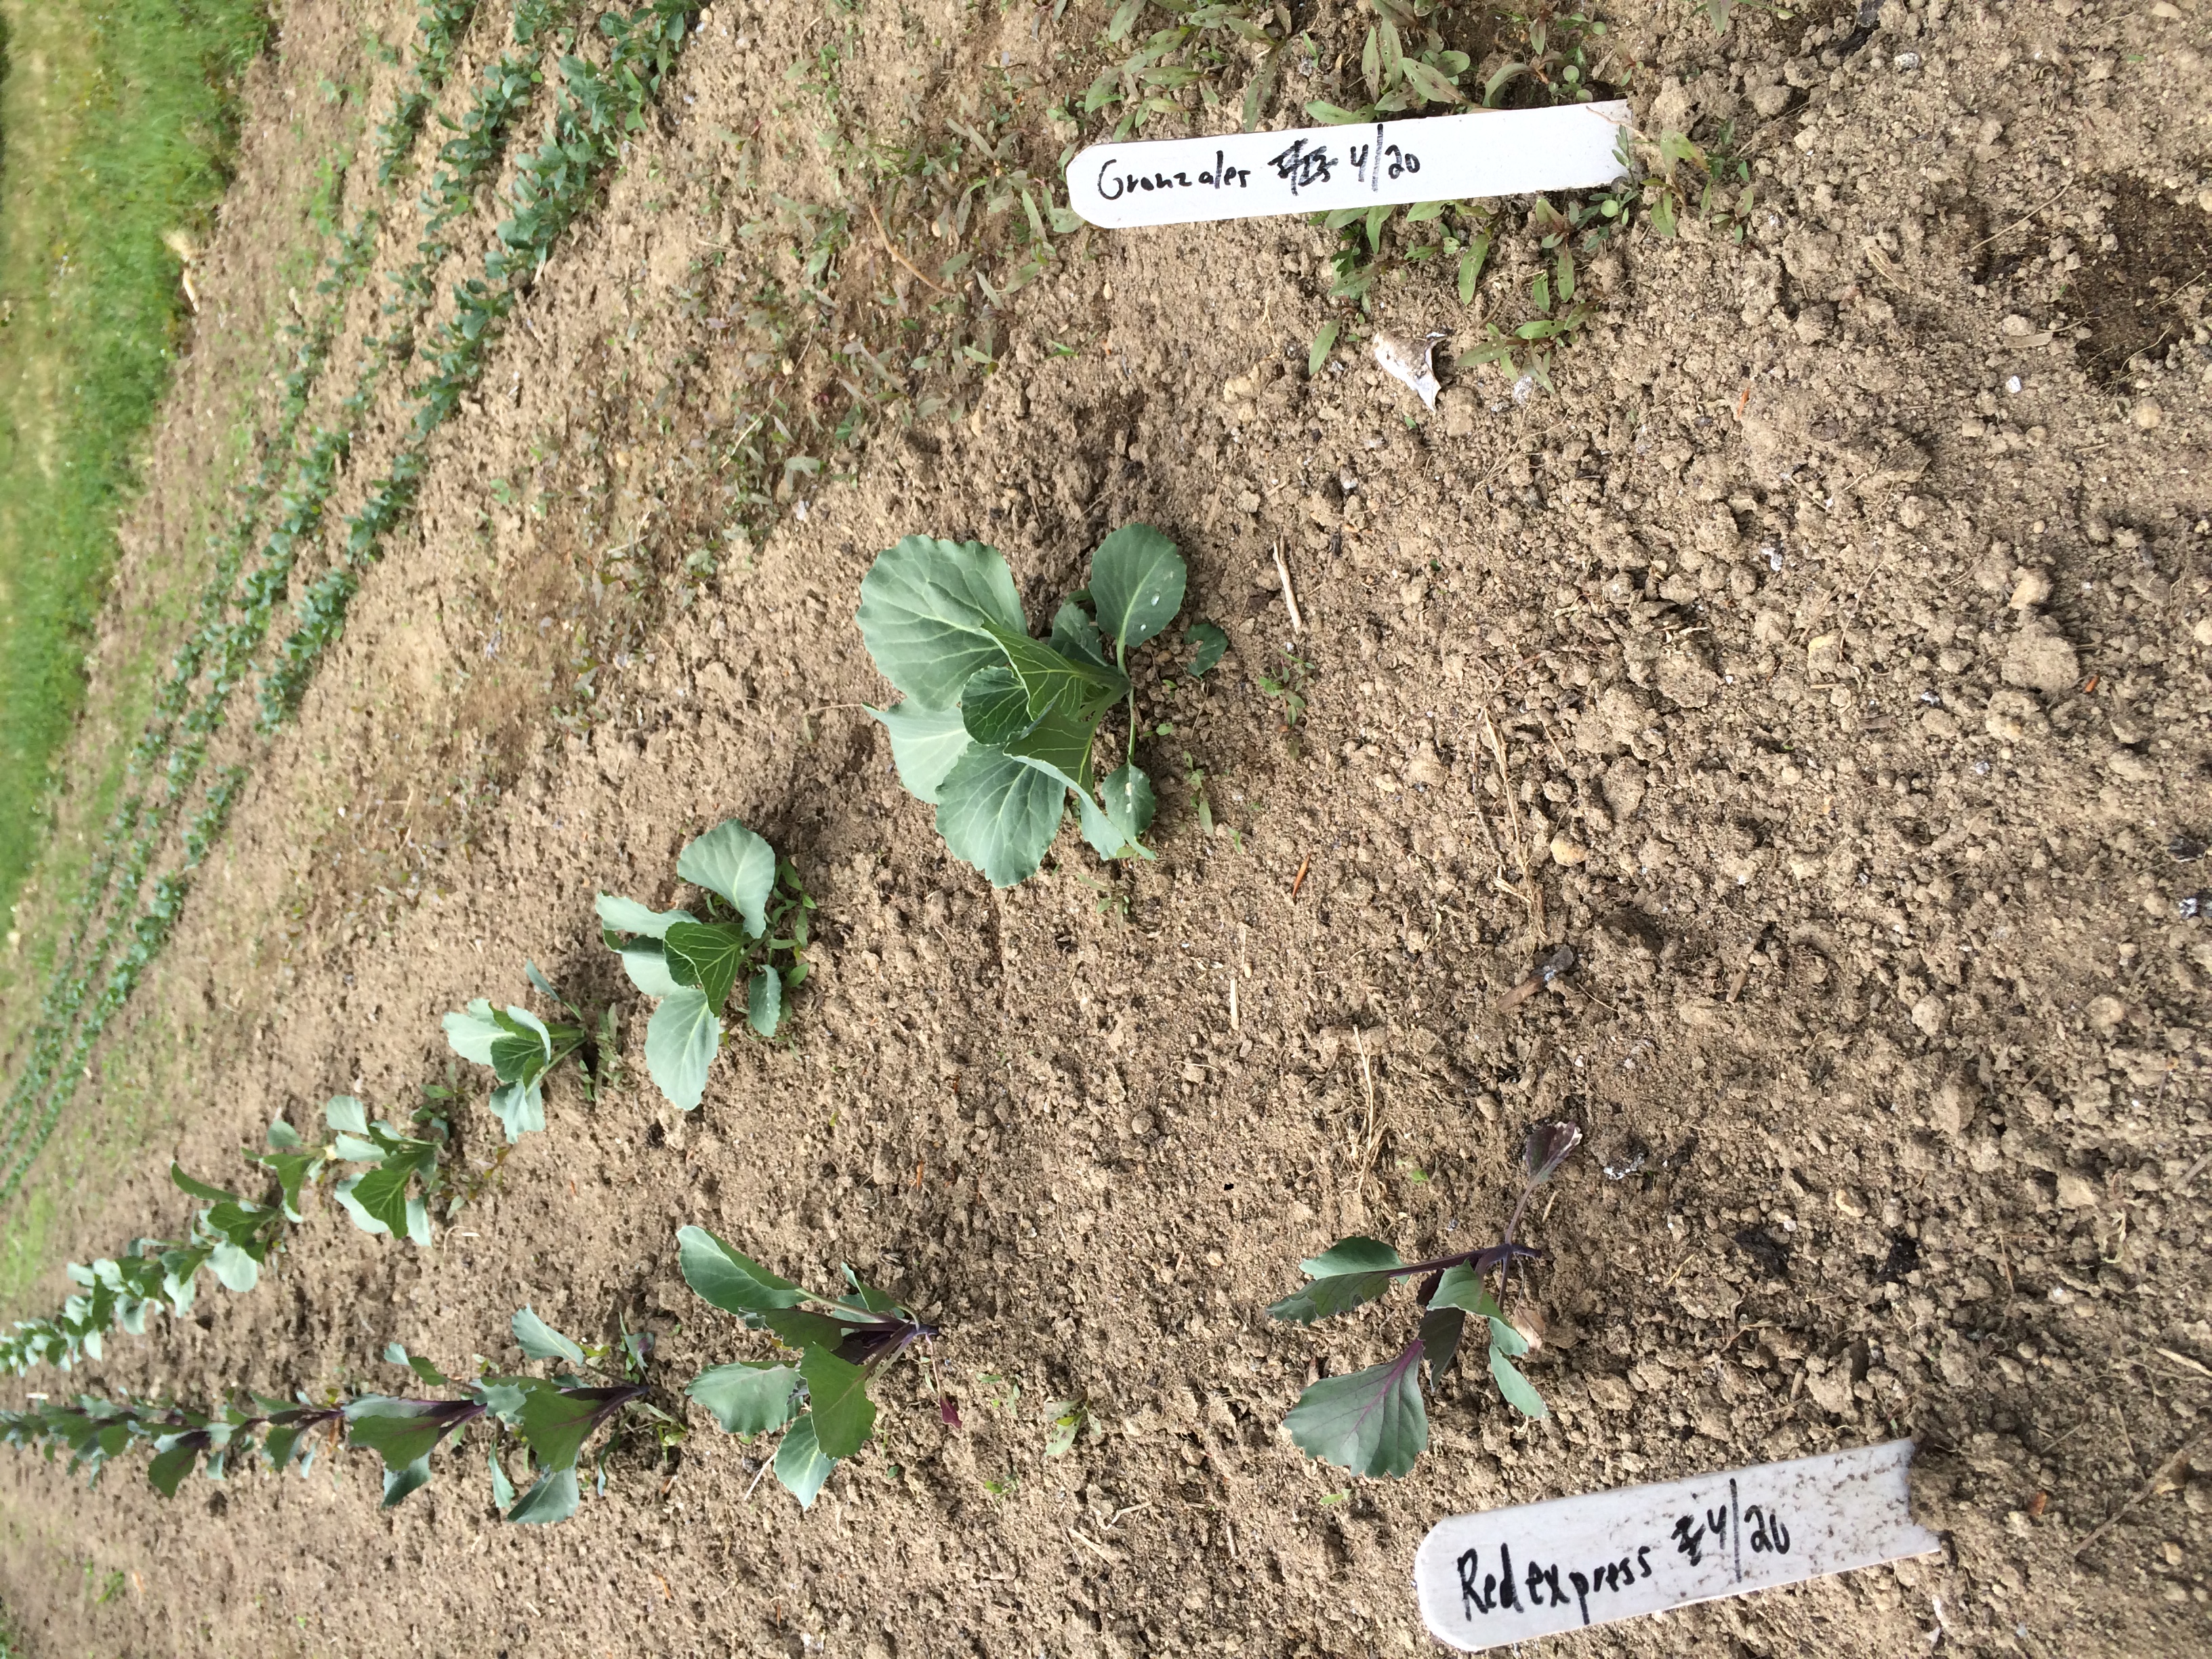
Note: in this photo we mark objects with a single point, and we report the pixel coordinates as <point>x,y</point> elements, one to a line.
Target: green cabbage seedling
<point>995,728</point>
<point>752,931</point>
<point>523,1050</point>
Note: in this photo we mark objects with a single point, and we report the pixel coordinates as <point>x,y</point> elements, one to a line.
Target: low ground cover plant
<point>523,1050</point>
<point>551,1418</point>
<point>752,930</point>
<point>1374,1421</point>
<point>995,728</point>
<point>842,1343</point>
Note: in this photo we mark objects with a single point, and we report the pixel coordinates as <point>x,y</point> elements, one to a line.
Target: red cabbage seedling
<point>1373,1421</point>
<point>842,1343</point>
<point>552,1418</point>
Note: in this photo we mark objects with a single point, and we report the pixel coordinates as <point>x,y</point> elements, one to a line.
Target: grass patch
<point>116,130</point>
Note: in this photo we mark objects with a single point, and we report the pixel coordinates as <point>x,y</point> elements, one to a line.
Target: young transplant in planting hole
<point>754,931</point>
<point>842,1343</point>
<point>523,1050</point>
<point>996,727</point>
<point>1373,1421</point>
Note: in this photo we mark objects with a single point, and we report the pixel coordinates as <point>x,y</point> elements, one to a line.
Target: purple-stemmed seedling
<point>1374,1421</point>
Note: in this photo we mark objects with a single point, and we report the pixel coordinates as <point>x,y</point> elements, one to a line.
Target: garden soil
<point>1819,658</point>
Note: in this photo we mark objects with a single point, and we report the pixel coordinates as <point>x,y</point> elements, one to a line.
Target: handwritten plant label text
<point>1438,158</point>
<point>1510,1575</point>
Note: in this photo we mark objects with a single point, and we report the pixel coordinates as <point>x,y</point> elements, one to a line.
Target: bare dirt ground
<point>1824,661</point>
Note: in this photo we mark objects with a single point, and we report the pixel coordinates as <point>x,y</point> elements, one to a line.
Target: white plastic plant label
<point>1511,1575</point>
<point>1438,158</point>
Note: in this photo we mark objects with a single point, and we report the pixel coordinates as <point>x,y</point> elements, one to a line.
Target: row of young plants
<point>987,708</point>
<point>170,746</point>
<point>70,982</point>
<point>747,924</point>
<point>439,25</point>
<point>813,1389</point>
<point>599,105</point>
<point>465,162</point>
<point>814,1393</point>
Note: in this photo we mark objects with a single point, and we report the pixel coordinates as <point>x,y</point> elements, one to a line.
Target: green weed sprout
<point>1373,1421</point>
<point>753,930</point>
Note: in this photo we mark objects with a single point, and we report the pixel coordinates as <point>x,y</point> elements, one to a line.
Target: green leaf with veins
<point>540,1340</point>
<point>1459,1287</point>
<point>520,1108</point>
<point>346,1114</point>
<point>800,1328</point>
<point>556,1421</point>
<point>925,745</point>
<point>1060,747</point>
<point>200,1189</point>
<point>293,1171</point>
<point>1127,795</point>
<point>1441,1329</point>
<point>646,963</point>
<point>552,1497</point>
<point>1507,1344</point>
<point>707,954</point>
<point>729,1278</point>
<point>377,1199</point>
<point>764,1001</point>
<point>523,1048</point>
<point>1212,643</point>
<point>731,860</point>
<point>1351,1272</point>
<point>1137,580</point>
<point>1075,634</point>
<point>993,708</point>
<point>1051,680</point>
<point>1000,814</point>
<point>750,1397</point>
<point>680,1043</point>
<point>628,916</point>
<point>927,609</point>
<point>502,1489</point>
<point>837,1400</point>
<point>1371,1422</point>
<point>1097,829</point>
<point>235,1270</point>
<point>800,1464</point>
<point>403,1433</point>
<point>173,1460</point>
<point>470,1032</point>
